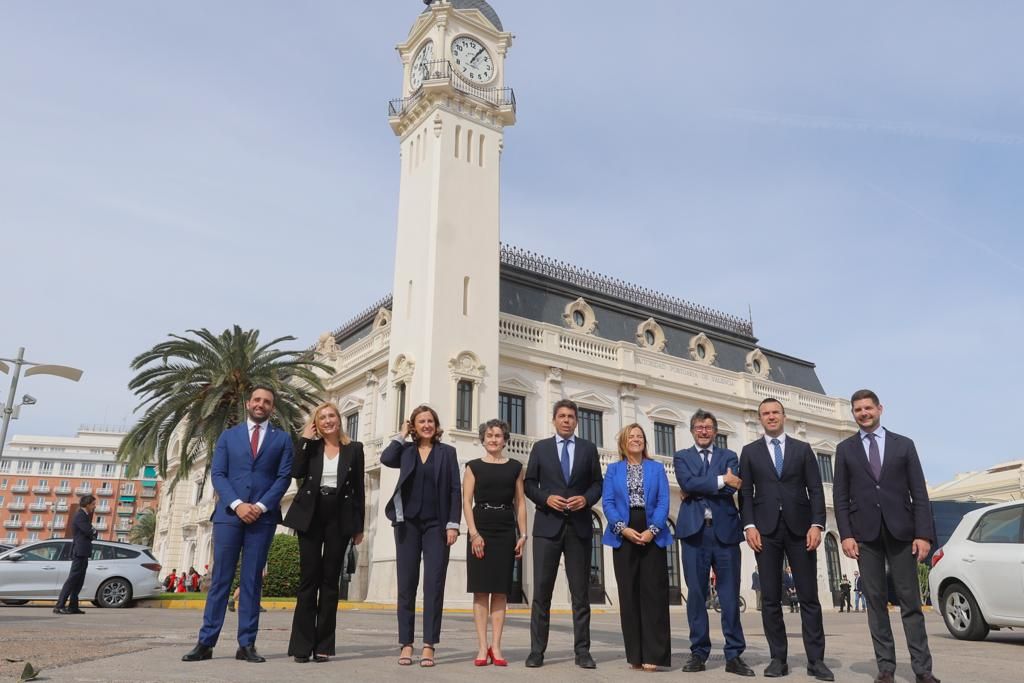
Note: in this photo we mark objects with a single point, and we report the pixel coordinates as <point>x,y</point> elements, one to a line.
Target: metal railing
<point>441,71</point>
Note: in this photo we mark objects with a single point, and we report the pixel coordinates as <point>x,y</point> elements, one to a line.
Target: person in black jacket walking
<point>81,549</point>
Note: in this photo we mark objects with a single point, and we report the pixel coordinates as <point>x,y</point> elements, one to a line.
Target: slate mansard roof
<point>539,288</point>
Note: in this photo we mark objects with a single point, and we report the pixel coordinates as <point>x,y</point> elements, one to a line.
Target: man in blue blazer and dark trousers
<point>563,478</point>
<point>708,524</point>
<point>885,518</point>
<point>81,549</point>
<point>251,471</point>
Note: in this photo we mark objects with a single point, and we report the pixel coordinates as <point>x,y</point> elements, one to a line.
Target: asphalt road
<point>146,645</point>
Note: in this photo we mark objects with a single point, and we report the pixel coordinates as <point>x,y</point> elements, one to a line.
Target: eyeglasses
<point>704,429</point>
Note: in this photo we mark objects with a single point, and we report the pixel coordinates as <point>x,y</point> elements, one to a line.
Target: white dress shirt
<point>572,449</point>
<point>330,474</point>
<point>879,439</point>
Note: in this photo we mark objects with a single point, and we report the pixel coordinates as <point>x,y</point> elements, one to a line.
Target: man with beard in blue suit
<point>251,471</point>
<point>708,524</point>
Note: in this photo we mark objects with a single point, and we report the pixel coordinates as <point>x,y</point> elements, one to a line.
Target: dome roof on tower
<point>481,5</point>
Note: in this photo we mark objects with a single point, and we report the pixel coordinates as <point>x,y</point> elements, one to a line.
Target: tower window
<point>465,295</point>
<point>458,138</point>
<point>469,146</point>
<point>480,155</point>
<point>464,405</point>
<point>400,393</point>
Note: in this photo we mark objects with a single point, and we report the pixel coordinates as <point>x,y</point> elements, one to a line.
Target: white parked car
<point>118,573</point>
<point>977,578</point>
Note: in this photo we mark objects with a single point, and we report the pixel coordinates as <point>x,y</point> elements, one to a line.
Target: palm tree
<point>144,529</point>
<point>199,385</point>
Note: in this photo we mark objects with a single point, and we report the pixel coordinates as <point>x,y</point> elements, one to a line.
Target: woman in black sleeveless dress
<point>494,504</point>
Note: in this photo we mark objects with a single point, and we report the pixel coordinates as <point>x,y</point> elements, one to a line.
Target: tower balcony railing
<point>441,71</point>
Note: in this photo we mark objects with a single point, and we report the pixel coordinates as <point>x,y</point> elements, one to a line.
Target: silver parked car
<point>118,573</point>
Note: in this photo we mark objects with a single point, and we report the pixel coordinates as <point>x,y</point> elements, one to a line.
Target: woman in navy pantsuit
<point>425,511</point>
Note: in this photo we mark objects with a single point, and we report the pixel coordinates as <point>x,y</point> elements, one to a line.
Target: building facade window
<point>5,465</point>
<point>400,396</point>
<point>110,470</point>
<point>45,467</point>
<point>24,466</point>
<point>664,439</point>
<point>67,469</point>
<point>3,484</point>
<point>512,411</point>
<point>825,467</point>
<point>352,425</point>
<point>464,405</point>
<point>721,441</point>
<point>88,469</point>
<point>590,426</point>
<point>128,488</point>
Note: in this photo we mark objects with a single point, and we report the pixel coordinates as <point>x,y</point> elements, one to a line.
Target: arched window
<point>675,588</point>
<point>835,571</point>
<point>401,404</point>
<point>596,562</point>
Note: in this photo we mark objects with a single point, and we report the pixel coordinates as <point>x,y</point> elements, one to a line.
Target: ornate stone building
<point>479,329</point>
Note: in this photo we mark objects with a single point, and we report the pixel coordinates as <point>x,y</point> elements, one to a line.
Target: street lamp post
<point>73,374</point>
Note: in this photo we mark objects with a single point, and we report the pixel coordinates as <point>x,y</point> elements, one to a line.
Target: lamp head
<point>28,400</point>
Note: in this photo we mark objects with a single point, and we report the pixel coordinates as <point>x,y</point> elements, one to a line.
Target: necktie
<point>778,456</point>
<point>705,461</point>
<point>874,457</point>
<point>255,441</point>
<point>565,460</point>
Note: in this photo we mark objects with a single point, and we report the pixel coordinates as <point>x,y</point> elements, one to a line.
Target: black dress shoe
<point>927,678</point>
<point>59,610</point>
<point>693,664</point>
<point>585,661</point>
<point>198,653</point>
<point>884,677</point>
<point>73,610</point>
<point>302,660</point>
<point>248,653</point>
<point>535,660</point>
<point>777,668</point>
<point>320,659</point>
<point>820,671</point>
<point>737,666</point>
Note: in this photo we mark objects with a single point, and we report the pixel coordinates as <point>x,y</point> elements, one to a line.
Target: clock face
<point>472,59</point>
<point>419,65</point>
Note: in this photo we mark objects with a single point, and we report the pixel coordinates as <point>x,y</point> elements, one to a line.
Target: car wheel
<point>961,613</point>
<point>116,592</point>
<point>14,603</point>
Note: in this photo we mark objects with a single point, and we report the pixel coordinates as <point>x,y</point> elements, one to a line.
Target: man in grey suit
<point>81,549</point>
<point>883,514</point>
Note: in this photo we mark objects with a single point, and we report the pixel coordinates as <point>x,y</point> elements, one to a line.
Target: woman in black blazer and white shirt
<point>425,510</point>
<point>327,512</point>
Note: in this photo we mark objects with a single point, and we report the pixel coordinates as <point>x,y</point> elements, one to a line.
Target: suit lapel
<point>862,455</point>
<point>269,429</point>
<point>243,438</point>
<point>577,462</point>
<point>889,451</point>
<point>789,455</point>
<point>344,462</point>
<point>558,460</point>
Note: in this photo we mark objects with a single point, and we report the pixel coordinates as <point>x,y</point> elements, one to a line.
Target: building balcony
<point>61,507</point>
<point>63,490</point>
<point>17,507</point>
<point>121,528</point>
<point>38,507</point>
<point>45,488</point>
<point>58,525</point>
<point>82,490</point>
<point>105,508</point>
<point>148,493</point>
<point>34,525</point>
<point>105,492</point>
<point>20,488</point>
<point>125,510</point>
<point>12,524</point>
<point>100,526</point>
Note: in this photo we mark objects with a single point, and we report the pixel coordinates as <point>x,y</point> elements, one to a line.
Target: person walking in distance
<point>563,479</point>
<point>858,593</point>
<point>251,470</point>
<point>708,524</point>
<point>844,594</point>
<point>81,549</point>
<point>884,518</point>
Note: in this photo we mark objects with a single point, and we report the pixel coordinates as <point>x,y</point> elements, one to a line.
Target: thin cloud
<point>905,129</point>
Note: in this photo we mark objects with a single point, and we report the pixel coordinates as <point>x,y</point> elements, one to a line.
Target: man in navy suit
<point>884,517</point>
<point>708,524</point>
<point>563,478</point>
<point>251,471</point>
<point>782,503</point>
<point>81,549</point>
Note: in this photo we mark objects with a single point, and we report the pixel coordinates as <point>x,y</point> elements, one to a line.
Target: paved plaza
<point>146,645</point>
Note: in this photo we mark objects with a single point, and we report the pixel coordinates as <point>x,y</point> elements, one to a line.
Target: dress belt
<point>488,506</point>
<point>328,490</point>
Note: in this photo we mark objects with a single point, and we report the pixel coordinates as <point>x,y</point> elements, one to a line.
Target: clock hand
<point>476,55</point>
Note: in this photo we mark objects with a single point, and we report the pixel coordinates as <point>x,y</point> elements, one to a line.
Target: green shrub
<point>282,580</point>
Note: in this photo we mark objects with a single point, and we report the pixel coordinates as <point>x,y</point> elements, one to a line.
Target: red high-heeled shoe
<point>495,661</point>
<point>484,661</point>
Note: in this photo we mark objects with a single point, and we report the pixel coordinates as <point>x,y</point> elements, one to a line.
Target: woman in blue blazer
<point>425,511</point>
<point>635,504</point>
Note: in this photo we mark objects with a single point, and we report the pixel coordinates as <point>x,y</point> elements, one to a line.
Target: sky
<point>849,173</point>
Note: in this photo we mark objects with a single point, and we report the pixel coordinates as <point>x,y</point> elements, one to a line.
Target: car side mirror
<point>14,557</point>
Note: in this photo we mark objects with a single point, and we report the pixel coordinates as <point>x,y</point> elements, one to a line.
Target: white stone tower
<point>444,326</point>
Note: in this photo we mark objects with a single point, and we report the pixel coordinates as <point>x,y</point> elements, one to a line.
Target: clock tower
<point>443,348</point>
<point>450,124</point>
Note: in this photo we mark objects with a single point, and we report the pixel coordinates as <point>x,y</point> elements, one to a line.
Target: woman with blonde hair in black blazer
<point>327,512</point>
<point>425,511</point>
